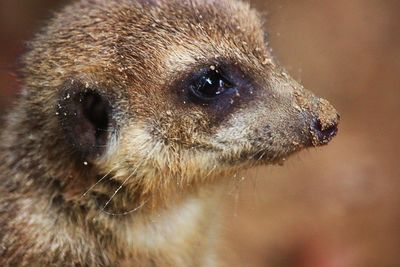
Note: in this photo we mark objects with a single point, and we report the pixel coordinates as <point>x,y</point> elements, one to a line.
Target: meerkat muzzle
<point>322,118</point>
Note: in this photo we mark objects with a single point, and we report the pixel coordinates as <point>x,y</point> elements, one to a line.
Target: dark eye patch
<point>217,88</point>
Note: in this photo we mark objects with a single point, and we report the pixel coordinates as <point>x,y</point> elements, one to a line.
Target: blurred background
<point>337,206</point>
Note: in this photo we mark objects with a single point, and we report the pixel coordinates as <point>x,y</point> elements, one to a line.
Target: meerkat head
<point>167,93</point>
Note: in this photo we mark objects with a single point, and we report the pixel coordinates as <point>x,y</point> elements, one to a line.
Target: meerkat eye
<point>210,85</point>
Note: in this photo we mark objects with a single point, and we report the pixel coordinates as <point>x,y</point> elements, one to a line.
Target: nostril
<point>323,132</point>
<point>328,131</point>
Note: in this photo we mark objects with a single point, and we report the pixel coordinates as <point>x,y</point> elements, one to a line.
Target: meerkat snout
<point>322,117</point>
<point>324,128</point>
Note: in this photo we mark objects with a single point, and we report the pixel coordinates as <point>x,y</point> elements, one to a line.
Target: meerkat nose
<point>325,124</point>
<point>323,134</point>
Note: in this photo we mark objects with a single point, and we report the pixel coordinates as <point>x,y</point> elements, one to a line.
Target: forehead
<point>175,34</point>
<point>201,20</point>
<point>121,40</point>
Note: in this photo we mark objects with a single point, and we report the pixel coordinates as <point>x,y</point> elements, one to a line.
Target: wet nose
<point>323,134</point>
<point>324,125</point>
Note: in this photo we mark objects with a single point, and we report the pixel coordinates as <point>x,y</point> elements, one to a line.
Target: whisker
<point>127,212</point>
<point>98,182</point>
<point>127,179</point>
<point>261,156</point>
<point>119,188</point>
<point>209,173</point>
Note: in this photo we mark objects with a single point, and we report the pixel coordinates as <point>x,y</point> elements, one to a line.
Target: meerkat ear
<point>85,118</point>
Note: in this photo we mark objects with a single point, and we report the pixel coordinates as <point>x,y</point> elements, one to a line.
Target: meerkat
<point>132,117</point>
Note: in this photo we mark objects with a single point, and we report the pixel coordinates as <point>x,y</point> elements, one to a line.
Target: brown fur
<point>155,179</point>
